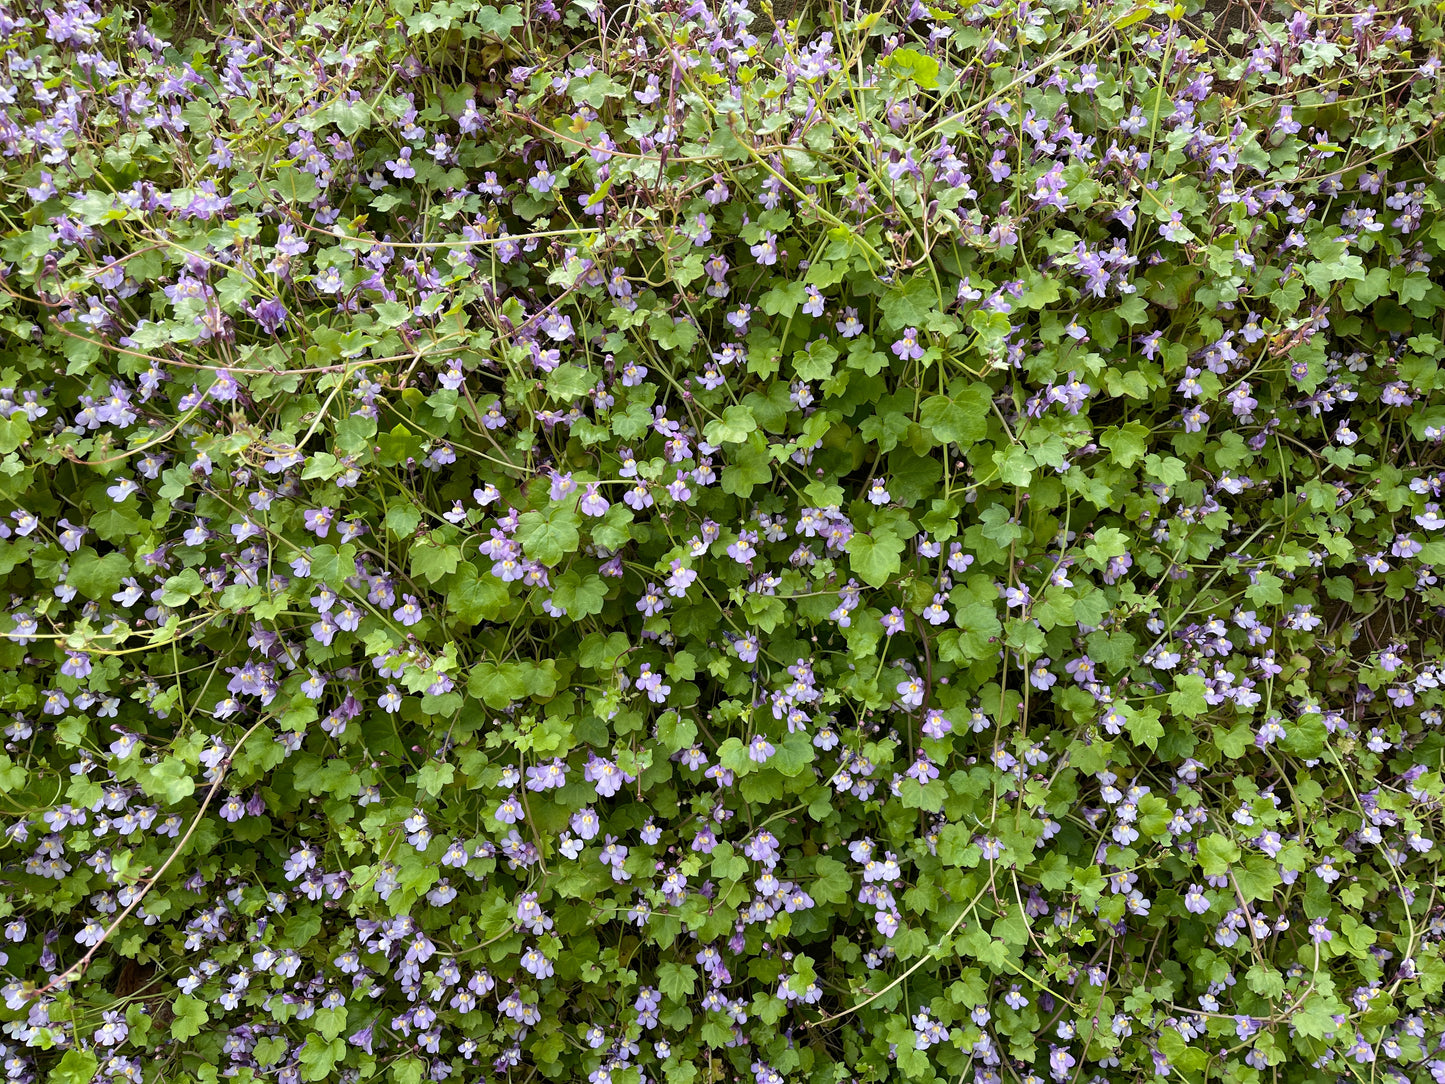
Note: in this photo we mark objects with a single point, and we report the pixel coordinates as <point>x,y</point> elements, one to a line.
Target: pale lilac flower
<point>910,693</point>
<point>907,347</point>
<point>593,503</point>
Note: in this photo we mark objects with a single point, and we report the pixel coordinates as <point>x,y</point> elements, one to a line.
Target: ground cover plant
<point>689,543</point>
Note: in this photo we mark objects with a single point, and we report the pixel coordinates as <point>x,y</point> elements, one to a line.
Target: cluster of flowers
<point>935,581</point>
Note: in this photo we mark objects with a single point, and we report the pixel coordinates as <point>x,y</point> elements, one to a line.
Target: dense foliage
<point>642,543</point>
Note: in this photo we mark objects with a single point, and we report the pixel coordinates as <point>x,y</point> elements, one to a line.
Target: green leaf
<point>1145,728</point>
<point>1266,590</point>
<point>783,299</point>
<point>991,327</point>
<point>402,520</point>
<point>1315,1018</point>
<point>499,22</point>
<point>74,1067</point>
<point>1015,465</point>
<point>793,755</point>
<point>732,428</point>
<point>1108,542</point>
<point>832,884</point>
<point>909,303</point>
<point>1187,699</point>
<point>349,117</point>
<point>676,980</point>
<point>294,185</point>
<point>474,596</point>
<point>354,434</point>
<point>179,588</point>
<point>190,1015</point>
<point>569,382</point>
<point>1217,854</point>
<point>496,686</point>
<point>916,67</point>
<point>816,363</point>
<point>270,1050</point>
<point>1126,443</point>
<point>319,1058</point>
<point>1165,469</point>
<point>434,778</point>
<point>676,732</point>
<point>875,558</point>
<point>12,776</point>
<point>957,421</point>
<point>599,651</point>
<point>433,562</point>
<point>14,431</point>
<point>550,534</point>
<point>392,313</point>
<point>748,467</point>
<point>169,781</point>
<point>579,597</point>
<point>97,577</point>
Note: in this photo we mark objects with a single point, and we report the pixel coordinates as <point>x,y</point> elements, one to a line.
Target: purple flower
<point>510,811</point>
<point>936,612</point>
<point>76,665</point>
<point>1271,730</point>
<point>409,612</point>
<point>547,776</point>
<point>935,725</point>
<point>530,914</point>
<point>593,503</point>
<point>586,823</point>
<point>113,1031</point>
<point>270,314</point>
<point>760,749</point>
<point>1060,1062</point>
<point>1039,676</point>
<point>363,1038</point>
<point>561,486</point>
<point>766,250</point>
<point>122,490</point>
<point>1088,79</point>
<point>742,550</point>
<point>652,602</point>
<point>910,693</point>
<point>543,181</point>
<point>605,776</point>
<point>650,682</point>
<point>318,521</point>
<point>907,347</point>
<point>402,169</point>
<point>1072,393</point>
